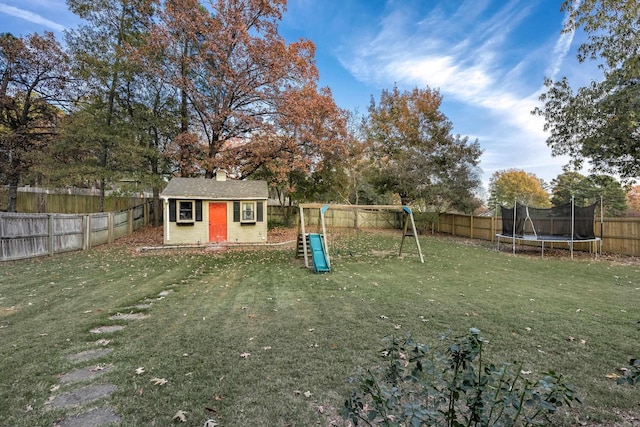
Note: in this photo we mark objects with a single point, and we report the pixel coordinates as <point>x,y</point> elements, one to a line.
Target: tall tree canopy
<point>251,95</point>
<point>507,186</point>
<point>600,122</point>
<point>105,139</point>
<point>33,76</point>
<point>416,153</point>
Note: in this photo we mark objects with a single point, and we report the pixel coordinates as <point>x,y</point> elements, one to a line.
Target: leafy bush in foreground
<point>452,387</point>
<point>631,374</point>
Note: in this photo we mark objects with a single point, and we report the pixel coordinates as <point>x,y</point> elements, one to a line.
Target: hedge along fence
<point>32,235</point>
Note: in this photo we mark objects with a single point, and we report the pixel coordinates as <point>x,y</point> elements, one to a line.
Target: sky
<point>487,58</point>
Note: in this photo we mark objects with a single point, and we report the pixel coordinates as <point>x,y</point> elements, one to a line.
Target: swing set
<point>313,246</point>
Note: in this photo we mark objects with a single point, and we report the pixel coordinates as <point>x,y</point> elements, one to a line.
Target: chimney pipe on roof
<point>221,175</point>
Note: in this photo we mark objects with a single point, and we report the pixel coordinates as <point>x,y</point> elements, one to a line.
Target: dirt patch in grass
<point>7,311</point>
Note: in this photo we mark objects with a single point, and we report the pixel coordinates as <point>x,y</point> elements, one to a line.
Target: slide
<point>320,264</point>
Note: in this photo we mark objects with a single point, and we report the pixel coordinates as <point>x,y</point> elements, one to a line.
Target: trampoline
<point>566,223</point>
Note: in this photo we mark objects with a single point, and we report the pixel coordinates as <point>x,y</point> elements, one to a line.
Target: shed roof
<point>210,189</point>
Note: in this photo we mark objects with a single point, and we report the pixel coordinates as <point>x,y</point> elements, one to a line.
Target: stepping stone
<point>106,329</point>
<point>129,316</point>
<point>142,306</point>
<point>83,374</point>
<point>93,418</point>
<point>83,395</point>
<point>89,355</point>
<point>164,293</point>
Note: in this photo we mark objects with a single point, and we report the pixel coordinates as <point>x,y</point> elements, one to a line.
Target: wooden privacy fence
<point>43,202</point>
<point>619,235</point>
<point>336,218</point>
<point>31,235</point>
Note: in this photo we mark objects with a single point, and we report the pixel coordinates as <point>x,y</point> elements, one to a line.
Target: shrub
<point>631,374</point>
<point>453,387</point>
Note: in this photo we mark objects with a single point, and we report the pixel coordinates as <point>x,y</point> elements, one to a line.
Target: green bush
<point>631,374</point>
<point>452,387</point>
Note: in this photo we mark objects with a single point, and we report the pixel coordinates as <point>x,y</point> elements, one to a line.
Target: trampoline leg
<point>542,256</point>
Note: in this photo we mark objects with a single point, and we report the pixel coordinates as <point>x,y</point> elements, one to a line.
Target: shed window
<point>186,210</point>
<point>248,212</point>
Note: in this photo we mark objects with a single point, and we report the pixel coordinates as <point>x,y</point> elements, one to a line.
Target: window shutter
<point>172,211</point>
<point>236,211</point>
<point>259,213</point>
<point>198,210</point>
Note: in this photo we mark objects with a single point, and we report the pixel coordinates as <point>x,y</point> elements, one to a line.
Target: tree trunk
<point>157,207</point>
<point>12,202</point>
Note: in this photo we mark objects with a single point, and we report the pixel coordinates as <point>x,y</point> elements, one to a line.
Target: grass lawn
<point>251,338</point>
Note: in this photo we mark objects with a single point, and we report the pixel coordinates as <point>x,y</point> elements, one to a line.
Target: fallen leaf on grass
<point>181,416</point>
<point>159,381</point>
<point>266,348</point>
<point>307,394</point>
<point>54,388</point>
<point>210,423</point>
<point>140,371</point>
<point>245,355</point>
<point>612,376</point>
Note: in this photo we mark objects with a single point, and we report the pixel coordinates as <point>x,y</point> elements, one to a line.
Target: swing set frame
<point>406,232</point>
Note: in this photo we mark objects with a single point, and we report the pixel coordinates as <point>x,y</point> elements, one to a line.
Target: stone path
<point>82,394</point>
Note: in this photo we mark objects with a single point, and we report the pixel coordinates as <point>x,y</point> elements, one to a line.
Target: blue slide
<point>320,264</point>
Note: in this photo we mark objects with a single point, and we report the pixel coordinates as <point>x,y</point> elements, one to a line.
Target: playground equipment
<point>314,245</point>
<point>566,223</point>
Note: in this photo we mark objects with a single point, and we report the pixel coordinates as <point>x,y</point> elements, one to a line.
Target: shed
<point>200,211</point>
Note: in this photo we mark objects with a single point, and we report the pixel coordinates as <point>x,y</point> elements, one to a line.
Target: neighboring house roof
<point>210,189</point>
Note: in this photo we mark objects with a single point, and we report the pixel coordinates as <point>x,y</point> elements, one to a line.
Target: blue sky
<point>488,59</point>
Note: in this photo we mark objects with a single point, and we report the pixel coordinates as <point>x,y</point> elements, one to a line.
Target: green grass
<point>304,332</point>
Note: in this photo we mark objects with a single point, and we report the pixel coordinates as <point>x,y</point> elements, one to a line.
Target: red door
<point>217,222</point>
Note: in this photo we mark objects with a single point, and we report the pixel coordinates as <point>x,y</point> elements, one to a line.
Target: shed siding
<point>246,233</point>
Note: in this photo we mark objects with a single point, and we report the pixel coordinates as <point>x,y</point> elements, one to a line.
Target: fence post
<point>110,227</point>
<point>89,230</point>
<point>51,236</point>
<point>130,221</point>
<point>471,227</point>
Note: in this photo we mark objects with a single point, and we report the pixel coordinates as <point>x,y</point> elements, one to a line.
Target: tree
<point>252,98</point>
<point>588,190</point>
<point>507,186</point>
<point>600,122</point>
<point>106,120</point>
<point>34,76</point>
<point>633,200</point>
<point>417,156</point>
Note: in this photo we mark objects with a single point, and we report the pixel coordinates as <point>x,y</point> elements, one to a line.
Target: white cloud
<point>30,16</point>
<point>468,61</point>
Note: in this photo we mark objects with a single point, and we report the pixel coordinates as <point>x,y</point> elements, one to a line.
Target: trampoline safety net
<point>553,222</point>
